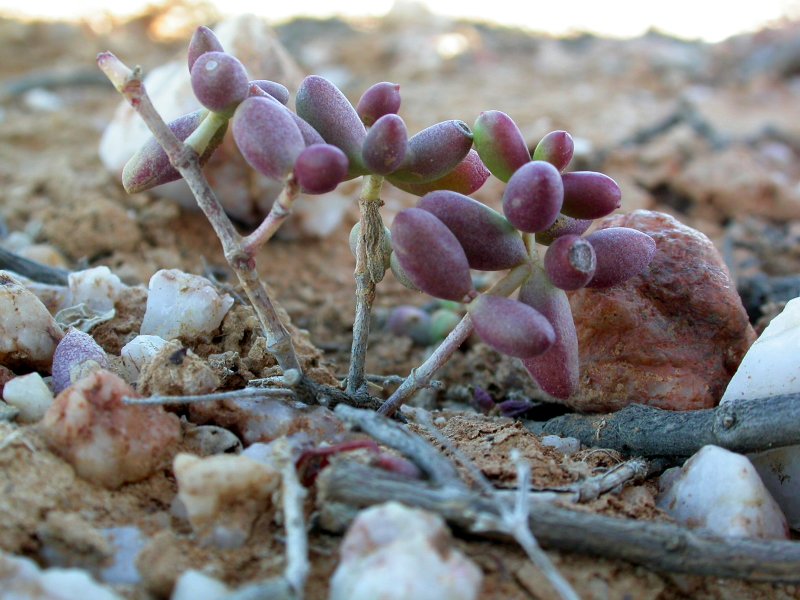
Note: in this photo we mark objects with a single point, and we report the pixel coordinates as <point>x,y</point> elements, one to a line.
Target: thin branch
<point>297,565</point>
<point>280,211</point>
<point>369,271</point>
<point>422,375</point>
<point>742,426</point>
<point>658,546</point>
<point>254,392</point>
<point>129,83</point>
<point>31,269</point>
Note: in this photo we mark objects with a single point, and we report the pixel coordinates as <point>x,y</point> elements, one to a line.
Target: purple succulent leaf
<point>556,370</point>
<point>482,400</point>
<point>570,262</point>
<point>320,168</point>
<point>468,177</point>
<point>556,148</point>
<point>150,166</point>
<point>412,322</point>
<point>515,407</point>
<point>379,100</point>
<point>400,273</point>
<point>202,41</point>
<point>74,349</point>
<point>385,145</point>
<point>533,197</point>
<point>273,88</point>
<point>267,137</point>
<point>326,109</point>
<point>563,225</point>
<point>430,255</point>
<point>490,242</point>
<point>219,81</point>
<point>434,152</point>
<point>511,327</point>
<point>621,252</point>
<point>500,144</point>
<point>590,195</point>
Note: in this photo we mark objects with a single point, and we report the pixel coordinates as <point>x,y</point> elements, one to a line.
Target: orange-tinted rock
<point>671,337</point>
<point>106,441</point>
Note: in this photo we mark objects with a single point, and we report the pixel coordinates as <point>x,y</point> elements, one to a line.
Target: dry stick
<point>249,392</point>
<point>658,546</point>
<point>422,375</point>
<point>742,426</point>
<point>297,566</point>
<point>185,160</point>
<point>280,211</point>
<point>369,271</point>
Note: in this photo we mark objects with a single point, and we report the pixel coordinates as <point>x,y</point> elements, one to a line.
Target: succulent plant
<point>433,246</point>
<point>540,203</point>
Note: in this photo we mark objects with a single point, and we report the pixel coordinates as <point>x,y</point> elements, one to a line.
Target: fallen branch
<point>742,426</point>
<point>658,546</point>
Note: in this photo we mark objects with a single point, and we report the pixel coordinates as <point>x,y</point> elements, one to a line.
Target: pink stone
<point>671,337</point>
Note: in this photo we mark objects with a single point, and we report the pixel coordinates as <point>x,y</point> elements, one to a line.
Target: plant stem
<point>422,375</point>
<point>200,137</point>
<point>185,159</point>
<point>281,209</point>
<point>369,271</point>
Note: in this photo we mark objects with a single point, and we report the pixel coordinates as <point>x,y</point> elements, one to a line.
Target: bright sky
<point>710,20</point>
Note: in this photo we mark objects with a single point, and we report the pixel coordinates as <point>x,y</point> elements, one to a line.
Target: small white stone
<point>98,288</point>
<point>137,353</point>
<point>567,445</point>
<point>21,578</point>
<point>180,305</point>
<point>28,333</point>
<point>30,394</point>
<point>720,491</point>
<point>43,100</point>
<point>393,552</point>
<point>224,495</point>
<point>194,585</point>
<point>127,543</point>
<point>772,367</point>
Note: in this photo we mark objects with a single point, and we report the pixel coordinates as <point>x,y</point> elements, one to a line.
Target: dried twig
<point>31,269</point>
<point>658,546</point>
<point>254,392</point>
<point>741,426</point>
<point>297,565</point>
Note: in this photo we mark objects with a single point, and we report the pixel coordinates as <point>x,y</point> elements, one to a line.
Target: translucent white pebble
<point>772,367</point>
<point>30,394</point>
<point>194,585</point>
<point>21,578</point>
<point>180,305</point>
<point>393,552</point>
<point>720,491</point>
<point>127,543</point>
<point>28,333</point>
<point>224,495</point>
<point>98,288</point>
<point>137,353</point>
<point>566,445</point>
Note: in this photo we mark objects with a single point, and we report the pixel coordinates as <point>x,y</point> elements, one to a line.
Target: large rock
<point>671,337</point>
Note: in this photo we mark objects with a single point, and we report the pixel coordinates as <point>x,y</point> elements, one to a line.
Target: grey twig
<point>31,269</point>
<point>658,546</point>
<point>742,426</point>
<point>254,392</point>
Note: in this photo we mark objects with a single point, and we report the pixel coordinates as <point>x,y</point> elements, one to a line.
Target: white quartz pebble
<point>28,333</point>
<point>98,288</point>
<point>393,552</point>
<point>224,495</point>
<point>194,585</point>
<point>721,491</point>
<point>21,578</point>
<point>137,353</point>
<point>180,305</point>
<point>772,367</point>
<point>30,394</point>
<point>565,445</point>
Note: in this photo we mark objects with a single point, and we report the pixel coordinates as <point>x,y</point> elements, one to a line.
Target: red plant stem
<point>185,160</point>
<point>422,375</point>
